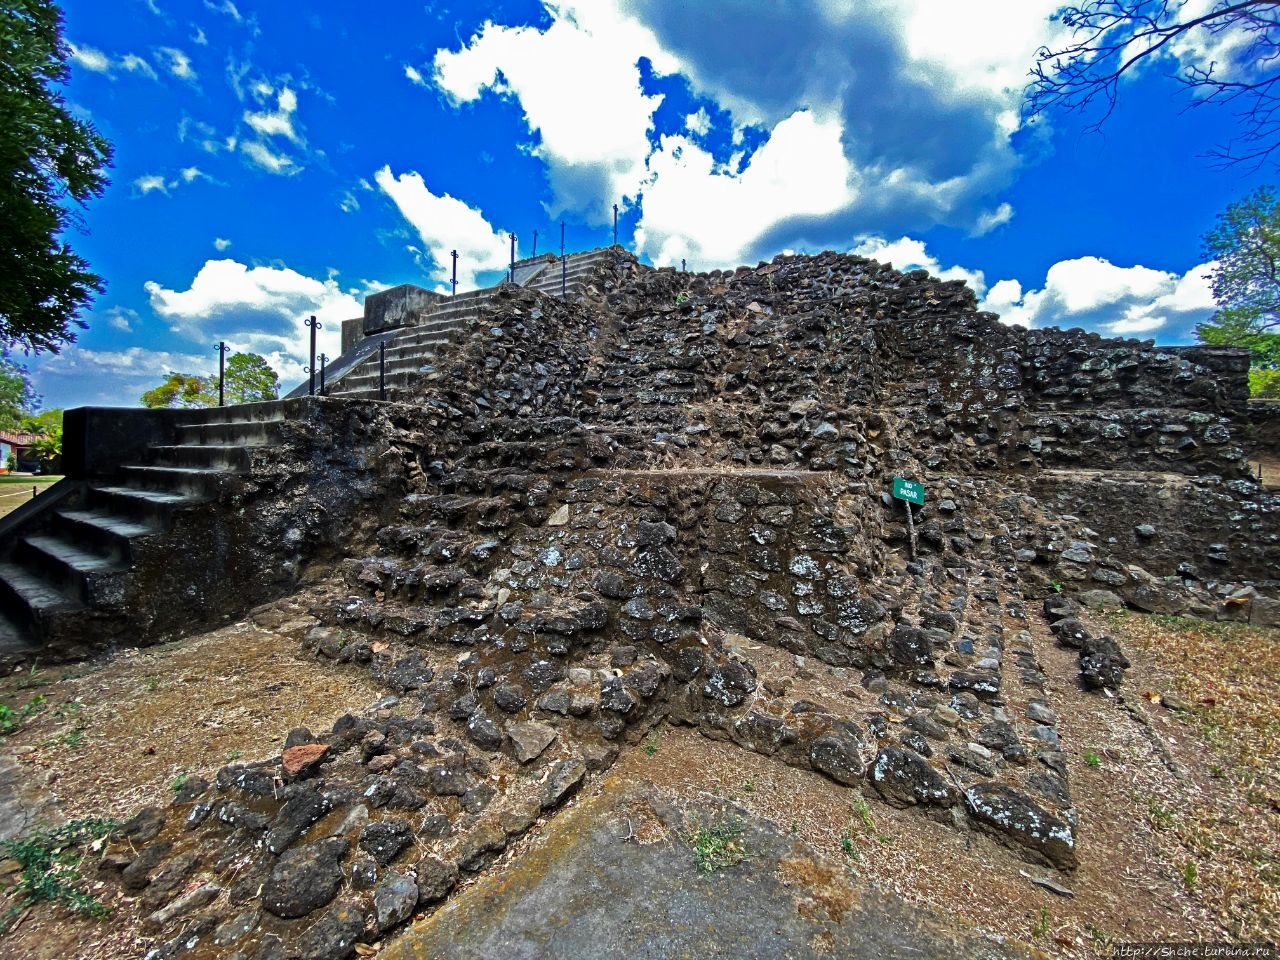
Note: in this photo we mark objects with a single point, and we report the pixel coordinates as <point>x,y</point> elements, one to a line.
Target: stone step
<point>16,645</point>
<point>153,508</point>
<point>100,531</point>
<point>367,385</point>
<point>240,433</point>
<point>228,457</point>
<point>202,482</point>
<point>264,411</point>
<point>70,568</point>
<point>28,602</point>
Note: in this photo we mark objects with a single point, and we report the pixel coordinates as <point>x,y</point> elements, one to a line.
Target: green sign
<point>909,490</point>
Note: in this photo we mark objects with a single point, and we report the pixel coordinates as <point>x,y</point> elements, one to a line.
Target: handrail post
<point>323,360</point>
<point>315,325</point>
<point>382,370</point>
<point>564,283</point>
<point>455,272</point>
<point>222,372</point>
<point>615,224</point>
<point>512,277</point>
<point>562,239</point>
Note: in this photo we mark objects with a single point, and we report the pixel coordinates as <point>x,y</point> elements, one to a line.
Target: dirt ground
<point>1176,782</point>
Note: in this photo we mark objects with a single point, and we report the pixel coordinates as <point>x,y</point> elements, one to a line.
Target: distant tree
<point>1114,38</point>
<point>180,390</point>
<point>46,427</point>
<point>17,398</point>
<point>248,379</point>
<point>48,157</point>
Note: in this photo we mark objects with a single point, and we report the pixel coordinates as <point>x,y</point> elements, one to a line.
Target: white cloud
<point>89,58</point>
<point>226,7</point>
<point>98,62</point>
<point>907,253</point>
<point>415,76</point>
<point>176,62</point>
<point>694,208</point>
<point>445,224</point>
<point>221,243</point>
<point>699,124</point>
<point>923,121</point>
<point>198,38</point>
<point>278,122</point>
<point>349,203</point>
<point>1096,294</point>
<point>265,158</point>
<point>74,371</point>
<point>259,309</point>
<point>122,318</point>
<point>990,219</point>
<point>193,173</point>
<point>135,64</point>
<point>149,183</point>
<point>590,164</point>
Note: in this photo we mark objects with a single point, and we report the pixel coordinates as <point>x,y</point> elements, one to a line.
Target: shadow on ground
<point>617,877</point>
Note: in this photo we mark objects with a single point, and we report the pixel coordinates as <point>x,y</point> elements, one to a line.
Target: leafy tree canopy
<point>17,398</point>
<point>47,158</point>
<point>1245,248</point>
<point>248,379</point>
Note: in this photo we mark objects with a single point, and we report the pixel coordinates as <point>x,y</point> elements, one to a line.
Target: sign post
<point>909,492</point>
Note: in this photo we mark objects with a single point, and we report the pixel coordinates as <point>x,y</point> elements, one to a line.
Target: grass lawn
<point>15,491</point>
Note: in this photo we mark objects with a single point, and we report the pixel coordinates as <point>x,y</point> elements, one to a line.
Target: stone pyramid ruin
<point>667,498</point>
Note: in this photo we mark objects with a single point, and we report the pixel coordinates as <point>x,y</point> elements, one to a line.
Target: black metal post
<point>683,268</point>
<point>315,325</point>
<point>564,282</point>
<point>512,278</point>
<point>323,360</point>
<point>615,224</point>
<point>534,253</point>
<point>561,238</point>
<point>222,372</point>
<point>455,272</point>
<point>382,370</point>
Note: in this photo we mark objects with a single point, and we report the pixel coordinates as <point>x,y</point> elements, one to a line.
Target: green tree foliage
<point>47,447</point>
<point>1245,248</point>
<point>248,379</point>
<point>48,158</point>
<point>180,390</point>
<point>17,398</point>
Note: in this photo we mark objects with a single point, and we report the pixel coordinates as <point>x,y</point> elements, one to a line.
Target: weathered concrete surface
<point>585,891</point>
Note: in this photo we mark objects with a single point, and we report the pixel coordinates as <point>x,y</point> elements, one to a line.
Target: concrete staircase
<point>66,573</point>
<point>412,349</point>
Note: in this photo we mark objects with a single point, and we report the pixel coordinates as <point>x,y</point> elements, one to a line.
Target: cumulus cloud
<point>221,243</point>
<point>907,253</point>
<point>698,209</point>
<point>921,98</point>
<point>260,309</point>
<point>1098,295</point>
<point>121,318</point>
<point>589,165</point>
<point>445,224</point>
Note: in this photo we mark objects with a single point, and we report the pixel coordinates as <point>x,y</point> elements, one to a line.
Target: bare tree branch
<point>1113,39</point>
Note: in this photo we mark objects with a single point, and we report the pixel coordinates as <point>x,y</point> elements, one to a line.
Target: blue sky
<point>277,160</point>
